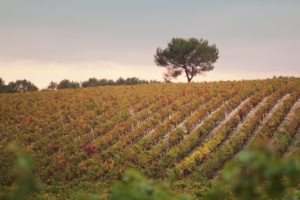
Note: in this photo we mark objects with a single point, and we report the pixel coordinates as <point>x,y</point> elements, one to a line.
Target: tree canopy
<point>66,84</point>
<point>93,82</point>
<point>52,86</point>
<point>25,85</point>
<point>18,86</point>
<point>190,56</point>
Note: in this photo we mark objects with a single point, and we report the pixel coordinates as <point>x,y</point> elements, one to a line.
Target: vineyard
<point>169,132</point>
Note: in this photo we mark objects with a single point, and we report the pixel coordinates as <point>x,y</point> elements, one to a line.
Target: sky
<point>54,40</point>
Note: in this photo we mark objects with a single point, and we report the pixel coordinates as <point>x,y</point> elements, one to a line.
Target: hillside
<point>179,133</point>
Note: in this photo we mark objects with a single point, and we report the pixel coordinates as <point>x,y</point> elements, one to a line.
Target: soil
<point>217,128</point>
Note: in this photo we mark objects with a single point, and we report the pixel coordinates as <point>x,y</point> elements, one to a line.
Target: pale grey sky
<point>53,40</point>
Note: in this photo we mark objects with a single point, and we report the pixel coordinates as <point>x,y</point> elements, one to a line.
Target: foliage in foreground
<point>258,174</point>
<point>24,181</point>
<point>135,186</point>
<point>255,174</point>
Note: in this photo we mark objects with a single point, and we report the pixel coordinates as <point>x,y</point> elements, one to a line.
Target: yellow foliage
<point>205,150</point>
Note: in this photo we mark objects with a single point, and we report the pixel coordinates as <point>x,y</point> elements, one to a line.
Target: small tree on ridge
<point>190,56</point>
<point>52,86</point>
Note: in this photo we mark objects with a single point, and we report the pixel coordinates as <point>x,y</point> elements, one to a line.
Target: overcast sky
<point>43,41</point>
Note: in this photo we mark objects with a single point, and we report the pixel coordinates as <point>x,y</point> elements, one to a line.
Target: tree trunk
<point>187,75</point>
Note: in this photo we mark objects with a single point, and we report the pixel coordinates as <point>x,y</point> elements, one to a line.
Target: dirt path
<point>244,121</point>
<point>211,134</point>
<point>181,125</point>
<point>166,136</point>
<point>265,119</point>
<point>258,129</point>
<point>295,145</point>
<point>286,120</point>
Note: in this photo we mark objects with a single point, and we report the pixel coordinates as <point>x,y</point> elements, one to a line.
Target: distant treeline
<point>18,86</point>
<point>92,82</point>
<point>26,86</point>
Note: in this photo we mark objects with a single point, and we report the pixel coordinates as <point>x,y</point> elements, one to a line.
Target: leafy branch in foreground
<point>22,178</point>
<point>135,186</point>
<point>258,174</point>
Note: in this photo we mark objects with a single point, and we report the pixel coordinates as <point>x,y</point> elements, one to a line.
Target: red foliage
<point>89,150</point>
<point>241,112</point>
<point>170,121</point>
<point>183,93</point>
<point>207,96</point>
<point>169,99</point>
<point>266,84</point>
<point>270,127</point>
<point>55,147</point>
<point>120,125</point>
<point>160,112</point>
<point>17,107</point>
<point>30,119</point>
<point>50,174</point>
<point>62,165</point>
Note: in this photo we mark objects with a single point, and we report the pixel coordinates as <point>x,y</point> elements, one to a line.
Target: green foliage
<point>24,182</point>
<point>18,86</point>
<point>62,129</point>
<point>22,86</point>
<point>93,82</point>
<point>258,174</point>
<point>190,56</point>
<point>52,86</point>
<point>255,174</point>
<point>4,88</point>
<point>66,84</point>
<point>135,186</point>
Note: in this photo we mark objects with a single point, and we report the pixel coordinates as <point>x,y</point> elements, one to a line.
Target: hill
<point>180,133</point>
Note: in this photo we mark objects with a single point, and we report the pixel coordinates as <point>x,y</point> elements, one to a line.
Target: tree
<point>2,82</point>
<point>192,57</point>
<point>65,84</point>
<point>120,81</point>
<point>52,86</point>
<point>18,86</point>
<point>22,86</point>
<point>3,87</point>
<point>92,82</point>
